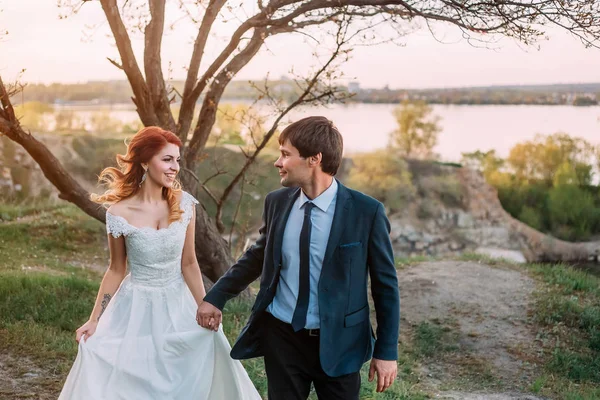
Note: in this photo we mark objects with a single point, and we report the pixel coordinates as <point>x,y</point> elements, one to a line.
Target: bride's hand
<point>86,329</point>
<point>209,316</point>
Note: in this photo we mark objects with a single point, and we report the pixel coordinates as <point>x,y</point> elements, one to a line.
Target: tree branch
<point>209,107</point>
<point>235,214</point>
<point>153,65</point>
<point>115,63</point>
<point>142,97</point>
<point>202,185</point>
<point>303,98</point>
<point>7,112</point>
<point>189,100</point>
<point>53,170</point>
<point>214,67</point>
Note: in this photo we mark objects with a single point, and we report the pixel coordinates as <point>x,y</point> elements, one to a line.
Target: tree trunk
<point>53,170</point>
<point>211,249</point>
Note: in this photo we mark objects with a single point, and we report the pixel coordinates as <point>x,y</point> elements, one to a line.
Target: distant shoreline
<point>116,92</point>
<point>130,106</point>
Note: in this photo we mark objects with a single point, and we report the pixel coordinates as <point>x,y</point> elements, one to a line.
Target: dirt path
<point>20,378</point>
<point>485,311</point>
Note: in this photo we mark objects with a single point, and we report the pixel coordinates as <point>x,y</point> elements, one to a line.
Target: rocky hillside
<point>457,211</point>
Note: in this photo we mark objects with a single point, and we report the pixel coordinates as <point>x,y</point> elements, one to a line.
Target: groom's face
<point>293,169</point>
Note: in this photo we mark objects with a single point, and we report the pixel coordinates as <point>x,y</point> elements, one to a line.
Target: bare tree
<point>344,20</point>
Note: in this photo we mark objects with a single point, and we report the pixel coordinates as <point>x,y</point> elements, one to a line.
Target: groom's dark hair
<point>314,135</point>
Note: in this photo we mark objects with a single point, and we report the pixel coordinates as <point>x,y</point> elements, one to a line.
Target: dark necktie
<point>299,319</point>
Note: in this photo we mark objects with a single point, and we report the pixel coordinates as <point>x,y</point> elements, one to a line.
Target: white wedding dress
<point>147,344</point>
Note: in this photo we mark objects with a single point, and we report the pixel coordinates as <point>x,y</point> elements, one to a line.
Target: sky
<point>75,49</point>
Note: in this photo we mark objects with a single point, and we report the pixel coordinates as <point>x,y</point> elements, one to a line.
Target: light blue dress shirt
<point>284,302</point>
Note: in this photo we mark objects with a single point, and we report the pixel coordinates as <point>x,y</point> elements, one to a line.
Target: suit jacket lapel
<point>343,205</point>
<point>285,210</point>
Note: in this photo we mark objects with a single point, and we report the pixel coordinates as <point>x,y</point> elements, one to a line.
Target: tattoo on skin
<point>105,301</point>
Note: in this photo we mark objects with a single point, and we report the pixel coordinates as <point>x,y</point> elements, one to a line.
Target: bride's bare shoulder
<point>122,208</point>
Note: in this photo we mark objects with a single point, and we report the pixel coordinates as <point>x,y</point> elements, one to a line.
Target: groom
<point>319,243</point>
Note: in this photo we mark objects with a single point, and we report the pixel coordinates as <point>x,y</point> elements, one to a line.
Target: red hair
<point>124,182</point>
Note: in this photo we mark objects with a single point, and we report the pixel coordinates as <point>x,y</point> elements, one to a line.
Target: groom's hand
<point>386,373</point>
<point>209,316</point>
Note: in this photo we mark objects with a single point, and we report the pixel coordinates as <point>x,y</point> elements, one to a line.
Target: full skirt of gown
<point>148,346</point>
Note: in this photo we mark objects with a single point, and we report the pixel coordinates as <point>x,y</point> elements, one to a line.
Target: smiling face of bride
<point>163,167</point>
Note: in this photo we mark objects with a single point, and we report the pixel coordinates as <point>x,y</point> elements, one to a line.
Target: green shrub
<point>447,188</point>
<point>95,154</point>
<point>384,176</point>
<point>570,206</point>
<point>532,217</point>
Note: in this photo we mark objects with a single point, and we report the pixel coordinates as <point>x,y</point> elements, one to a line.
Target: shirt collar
<point>324,199</point>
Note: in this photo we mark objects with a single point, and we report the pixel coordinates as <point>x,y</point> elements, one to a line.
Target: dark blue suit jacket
<point>359,246</point>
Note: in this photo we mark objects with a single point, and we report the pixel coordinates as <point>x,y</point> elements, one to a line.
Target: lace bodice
<point>154,255</point>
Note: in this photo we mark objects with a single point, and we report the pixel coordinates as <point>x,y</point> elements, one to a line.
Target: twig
<point>202,185</point>
<point>115,63</point>
<point>237,210</point>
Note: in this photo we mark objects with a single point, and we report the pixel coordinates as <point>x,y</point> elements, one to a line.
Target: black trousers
<point>292,363</point>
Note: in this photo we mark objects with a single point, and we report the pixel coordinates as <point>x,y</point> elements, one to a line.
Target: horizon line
<point>507,85</point>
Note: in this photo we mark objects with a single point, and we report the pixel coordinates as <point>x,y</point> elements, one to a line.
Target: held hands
<point>386,373</point>
<point>86,329</point>
<point>209,316</point>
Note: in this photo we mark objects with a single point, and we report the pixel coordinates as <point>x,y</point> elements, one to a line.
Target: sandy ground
<point>486,311</point>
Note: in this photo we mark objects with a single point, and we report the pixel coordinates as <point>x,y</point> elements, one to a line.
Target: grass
<point>437,347</point>
<point>45,293</point>
<point>51,301</point>
<point>404,262</point>
<point>432,338</point>
<point>59,239</point>
<point>481,258</point>
<point>38,316</point>
<point>568,310</point>
<point>45,290</point>
<point>567,280</point>
<point>15,209</point>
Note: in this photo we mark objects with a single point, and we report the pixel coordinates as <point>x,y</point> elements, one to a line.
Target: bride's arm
<point>113,277</point>
<point>189,263</point>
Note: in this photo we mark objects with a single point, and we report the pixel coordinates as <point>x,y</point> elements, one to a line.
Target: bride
<point>142,340</point>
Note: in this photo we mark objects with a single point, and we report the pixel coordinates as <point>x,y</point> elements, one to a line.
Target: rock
<point>464,220</point>
<point>420,246</point>
<point>489,236</point>
<point>453,246</point>
<point>510,255</point>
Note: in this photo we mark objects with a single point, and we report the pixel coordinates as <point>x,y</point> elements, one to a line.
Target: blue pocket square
<point>353,244</point>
